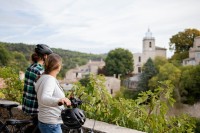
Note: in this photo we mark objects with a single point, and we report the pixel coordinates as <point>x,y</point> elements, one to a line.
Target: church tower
<point>148,42</point>
<point>149,50</point>
<point>148,46</point>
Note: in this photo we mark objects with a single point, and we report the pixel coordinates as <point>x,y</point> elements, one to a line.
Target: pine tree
<point>148,71</point>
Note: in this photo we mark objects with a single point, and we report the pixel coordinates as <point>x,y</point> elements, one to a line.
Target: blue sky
<point>96,26</point>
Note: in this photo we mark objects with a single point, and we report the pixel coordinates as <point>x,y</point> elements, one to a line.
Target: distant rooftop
<point>160,48</point>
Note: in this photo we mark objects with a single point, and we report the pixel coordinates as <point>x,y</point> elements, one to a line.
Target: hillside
<point>18,55</point>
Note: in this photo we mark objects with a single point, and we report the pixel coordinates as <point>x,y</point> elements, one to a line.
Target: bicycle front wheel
<point>3,128</point>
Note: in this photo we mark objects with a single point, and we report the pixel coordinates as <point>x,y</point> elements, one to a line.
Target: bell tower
<point>148,42</point>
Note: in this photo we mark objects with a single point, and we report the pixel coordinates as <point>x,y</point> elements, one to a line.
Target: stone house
<point>149,51</point>
<point>194,53</point>
<point>132,82</point>
<point>113,84</point>
<point>79,72</point>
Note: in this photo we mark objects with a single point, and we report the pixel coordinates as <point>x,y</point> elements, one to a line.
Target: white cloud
<point>96,26</point>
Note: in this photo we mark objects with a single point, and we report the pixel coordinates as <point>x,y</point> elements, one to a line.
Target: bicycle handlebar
<point>75,102</point>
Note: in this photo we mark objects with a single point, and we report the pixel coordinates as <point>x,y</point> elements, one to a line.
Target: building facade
<point>149,50</point>
<point>74,75</point>
<point>194,53</point>
<point>112,84</point>
<point>132,82</point>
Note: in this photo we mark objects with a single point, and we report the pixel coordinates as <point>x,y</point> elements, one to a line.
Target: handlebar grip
<point>74,102</point>
<point>60,103</point>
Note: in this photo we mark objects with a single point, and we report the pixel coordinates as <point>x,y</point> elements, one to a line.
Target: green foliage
<point>159,61</point>
<point>4,56</point>
<point>197,129</point>
<point>84,81</point>
<point>119,61</point>
<point>178,57</point>
<point>12,59</point>
<point>19,61</point>
<point>146,113</point>
<point>148,71</point>
<point>189,83</point>
<point>13,85</point>
<point>168,72</point>
<point>181,42</point>
<point>126,93</point>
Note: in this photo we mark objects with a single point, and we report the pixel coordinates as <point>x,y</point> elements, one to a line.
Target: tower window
<point>139,58</point>
<point>149,44</point>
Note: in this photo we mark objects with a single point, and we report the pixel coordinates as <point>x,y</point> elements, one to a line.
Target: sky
<point>96,26</point>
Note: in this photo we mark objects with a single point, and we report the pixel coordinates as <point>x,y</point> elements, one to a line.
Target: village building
<point>112,84</point>
<point>132,82</point>
<point>194,53</point>
<point>149,50</point>
<point>92,67</point>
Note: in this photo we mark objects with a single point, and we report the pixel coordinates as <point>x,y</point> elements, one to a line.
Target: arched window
<point>149,44</point>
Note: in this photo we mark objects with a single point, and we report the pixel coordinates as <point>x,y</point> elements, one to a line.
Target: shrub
<point>147,113</point>
<point>13,88</point>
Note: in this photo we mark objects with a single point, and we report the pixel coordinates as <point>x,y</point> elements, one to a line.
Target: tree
<point>148,71</point>
<point>4,56</point>
<point>13,85</point>
<point>159,61</point>
<point>182,41</point>
<point>167,72</point>
<point>190,84</point>
<point>151,117</point>
<point>19,61</point>
<point>119,61</point>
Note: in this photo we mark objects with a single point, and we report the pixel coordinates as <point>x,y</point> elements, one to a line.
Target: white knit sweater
<point>48,94</point>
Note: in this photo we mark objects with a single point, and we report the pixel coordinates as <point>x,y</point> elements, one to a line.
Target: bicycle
<point>20,126</point>
<point>12,125</point>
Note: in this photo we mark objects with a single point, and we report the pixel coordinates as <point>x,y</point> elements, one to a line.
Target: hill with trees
<point>18,55</point>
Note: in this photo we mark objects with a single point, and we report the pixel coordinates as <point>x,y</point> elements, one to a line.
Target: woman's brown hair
<point>35,58</point>
<point>52,62</point>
